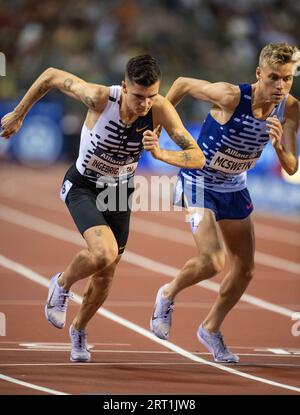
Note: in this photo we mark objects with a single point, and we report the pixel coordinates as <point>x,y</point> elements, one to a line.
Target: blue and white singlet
<point>232,148</point>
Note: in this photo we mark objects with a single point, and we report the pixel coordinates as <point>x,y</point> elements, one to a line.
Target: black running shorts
<point>89,205</point>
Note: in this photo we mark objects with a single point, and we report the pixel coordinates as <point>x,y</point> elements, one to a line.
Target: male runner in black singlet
<point>120,123</point>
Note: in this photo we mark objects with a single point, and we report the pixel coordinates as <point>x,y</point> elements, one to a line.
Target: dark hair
<point>143,70</point>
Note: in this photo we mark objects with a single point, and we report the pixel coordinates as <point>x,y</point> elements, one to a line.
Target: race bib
<point>106,168</point>
<point>232,161</point>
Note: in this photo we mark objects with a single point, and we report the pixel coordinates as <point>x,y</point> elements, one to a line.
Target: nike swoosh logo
<point>138,130</point>
<point>49,301</point>
<point>249,206</point>
<point>49,305</point>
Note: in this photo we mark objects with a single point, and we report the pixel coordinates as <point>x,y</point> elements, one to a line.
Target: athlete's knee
<point>214,260</point>
<point>210,263</point>
<point>83,256</point>
<point>103,257</point>
<point>245,269</point>
<point>248,271</point>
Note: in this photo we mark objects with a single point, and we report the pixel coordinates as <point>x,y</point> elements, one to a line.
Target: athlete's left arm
<point>165,115</point>
<point>284,137</point>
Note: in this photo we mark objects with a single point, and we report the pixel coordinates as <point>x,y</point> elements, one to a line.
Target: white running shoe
<point>79,346</point>
<point>215,344</point>
<point>161,319</point>
<point>57,302</point>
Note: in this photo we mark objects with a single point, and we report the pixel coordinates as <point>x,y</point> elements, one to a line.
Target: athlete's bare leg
<point>95,294</point>
<point>209,262</point>
<point>240,243</point>
<point>101,252</point>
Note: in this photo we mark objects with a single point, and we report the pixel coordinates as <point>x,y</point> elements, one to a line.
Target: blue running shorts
<point>229,205</point>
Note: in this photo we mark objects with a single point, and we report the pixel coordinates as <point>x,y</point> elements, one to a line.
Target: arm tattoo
<point>181,140</point>
<point>89,102</point>
<point>68,83</point>
<point>186,157</point>
<point>19,109</point>
<point>98,232</point>
<point>86,100</point>
<point>44,87</point>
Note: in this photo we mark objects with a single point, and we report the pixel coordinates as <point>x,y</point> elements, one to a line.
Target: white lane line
<point>169,271</point>
<point>45,202</point>
<point>60,345</point>
<point>59,232</point>
<point>92,364</point>
<point>167,198</point>
<point>67,349</point>
<point>127,304</point>
<point>259,215</point>
<point>36,344</point>
<point>279,351</point>
<point>182,237</point>
<point>267,232</point>
<point>39,279</point>
<point>273,233</point>
<point>168,232</point>
<point>31,385</point>
<point>139,304</point>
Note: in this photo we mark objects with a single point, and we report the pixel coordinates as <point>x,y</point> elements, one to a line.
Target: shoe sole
<point>230,362</point>
<point>79,360</point>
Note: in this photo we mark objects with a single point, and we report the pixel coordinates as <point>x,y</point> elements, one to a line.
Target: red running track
<point>38,239</point>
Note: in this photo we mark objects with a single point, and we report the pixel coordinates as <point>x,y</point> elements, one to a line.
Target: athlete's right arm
<point>221,94</point>
<point>92,95</point>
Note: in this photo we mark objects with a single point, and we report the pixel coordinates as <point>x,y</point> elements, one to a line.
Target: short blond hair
<point>278,53</point>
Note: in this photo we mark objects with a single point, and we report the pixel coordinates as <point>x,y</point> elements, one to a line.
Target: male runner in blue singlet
<point>241,122</point>
<point>120,123</point>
